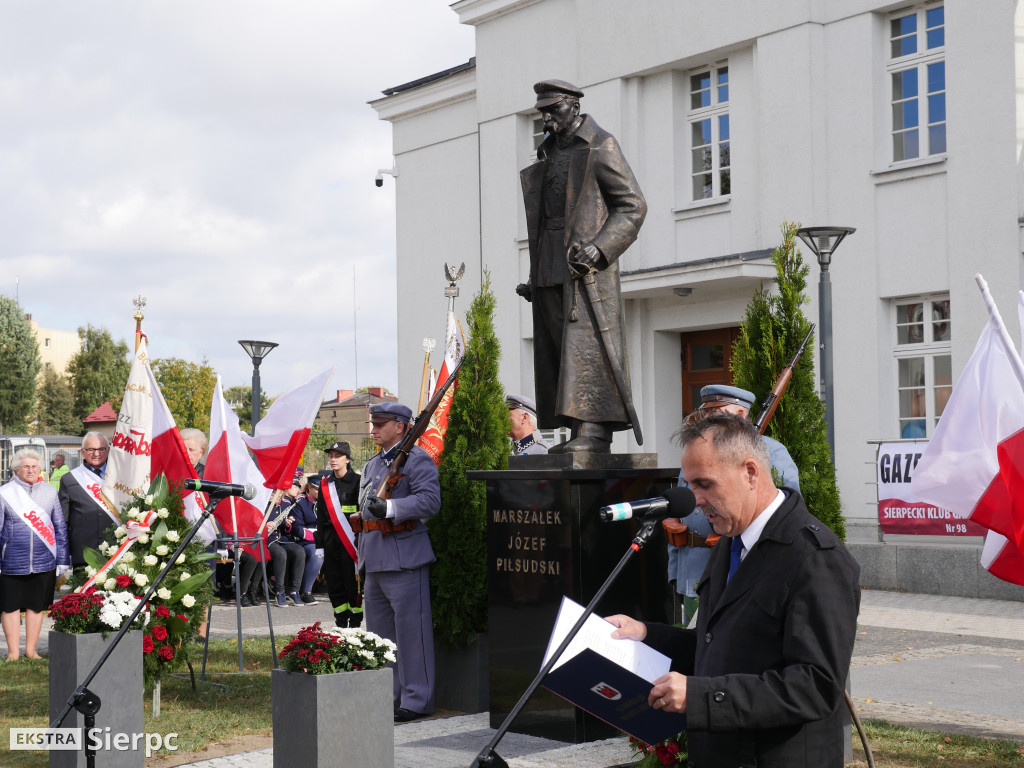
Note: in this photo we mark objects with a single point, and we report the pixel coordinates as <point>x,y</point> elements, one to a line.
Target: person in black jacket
<point>762,677</point>
<point>339,497</point>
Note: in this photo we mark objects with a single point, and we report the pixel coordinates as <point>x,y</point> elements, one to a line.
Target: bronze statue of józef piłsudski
<point>583,210</point>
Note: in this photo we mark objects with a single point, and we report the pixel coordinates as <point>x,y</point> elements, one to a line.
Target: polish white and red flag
<point>281,436</point>
<point>147,443</point>
<point>170,458</point>
<point>229,462</point>
<point>127,474</point>
<point>432,440</point>
<point>972,463</point>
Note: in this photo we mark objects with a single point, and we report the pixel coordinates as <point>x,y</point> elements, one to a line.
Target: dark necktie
<point>734,556</point>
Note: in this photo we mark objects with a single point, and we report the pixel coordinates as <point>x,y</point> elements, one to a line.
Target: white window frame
<point>713,112</point>
<point>918,61</point>
<point>927,348</point>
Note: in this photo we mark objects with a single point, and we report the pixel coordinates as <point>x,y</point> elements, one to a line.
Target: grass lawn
<point>236,707</point>
<point>231,713</point>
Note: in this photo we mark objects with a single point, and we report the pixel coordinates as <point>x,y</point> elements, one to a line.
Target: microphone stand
<point>86,701</point>
<point>488,758</point>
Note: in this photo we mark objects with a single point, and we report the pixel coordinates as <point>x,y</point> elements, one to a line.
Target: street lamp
<point>257,350</point>
<point>824,241</point>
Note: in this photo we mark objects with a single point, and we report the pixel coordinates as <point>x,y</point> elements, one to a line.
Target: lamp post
<point>257,350</point>
<point>824,241</point>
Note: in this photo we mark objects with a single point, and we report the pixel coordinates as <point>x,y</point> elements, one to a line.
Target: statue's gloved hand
<point>524,290</point>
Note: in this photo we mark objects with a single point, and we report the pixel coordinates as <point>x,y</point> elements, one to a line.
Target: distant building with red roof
<point>103,420</point>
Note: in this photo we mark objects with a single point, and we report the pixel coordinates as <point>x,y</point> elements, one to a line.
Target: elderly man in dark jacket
<point>584,208</point>
<point>761,679</point>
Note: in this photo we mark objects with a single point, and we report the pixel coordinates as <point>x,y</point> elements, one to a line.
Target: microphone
<point>677,502</point>
<point>214,488</point>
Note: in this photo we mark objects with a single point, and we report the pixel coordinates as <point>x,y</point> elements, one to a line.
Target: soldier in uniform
<point>339,498</point>
<point>396,553</point>
<point>687,563</point>
<point>583,210</point>
<point>526,440</point>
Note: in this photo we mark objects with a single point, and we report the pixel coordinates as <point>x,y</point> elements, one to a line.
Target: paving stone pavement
<point>941,663</point>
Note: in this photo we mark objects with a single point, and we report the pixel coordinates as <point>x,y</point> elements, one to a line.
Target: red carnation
<point>183,618</point>
<point>124,580</point>
<point>147,644</point>
<point>163,612</point>
<point>160,632</point>
<point>166,653</point>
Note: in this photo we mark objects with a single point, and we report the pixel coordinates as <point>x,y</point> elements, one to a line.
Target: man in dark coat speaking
<point>583,210</point>
<point>761,679</point>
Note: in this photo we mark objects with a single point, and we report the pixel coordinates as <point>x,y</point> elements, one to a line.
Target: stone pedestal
<point>344,719</point>
<point>118,686</point>
<point>545,540</point>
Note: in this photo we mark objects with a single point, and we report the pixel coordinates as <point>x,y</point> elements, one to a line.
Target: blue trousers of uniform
<point>397,606</point>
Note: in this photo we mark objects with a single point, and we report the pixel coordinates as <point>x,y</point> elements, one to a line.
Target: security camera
<point>379,178</point>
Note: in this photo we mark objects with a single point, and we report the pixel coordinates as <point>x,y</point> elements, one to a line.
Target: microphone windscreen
<point>250,492</point>
<point>681,501</point>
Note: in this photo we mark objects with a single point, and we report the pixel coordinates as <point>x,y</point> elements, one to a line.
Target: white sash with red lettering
<point>93,487</point>
<point>36,519</point>
<point>339,518</point>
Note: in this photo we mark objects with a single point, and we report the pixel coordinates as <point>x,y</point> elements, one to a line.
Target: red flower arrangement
<point>147,644</point>
<point>315,651</point>
<point>159,632</point>
<point>671,751</point>
<point>78,612</point>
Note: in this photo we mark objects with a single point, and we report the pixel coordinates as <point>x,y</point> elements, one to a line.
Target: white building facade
<point>902,120</point>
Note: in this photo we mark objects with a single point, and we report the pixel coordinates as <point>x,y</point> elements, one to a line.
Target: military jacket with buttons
<point>768,660</point>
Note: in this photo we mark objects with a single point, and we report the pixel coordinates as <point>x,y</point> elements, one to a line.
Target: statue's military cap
<point>553,91</point>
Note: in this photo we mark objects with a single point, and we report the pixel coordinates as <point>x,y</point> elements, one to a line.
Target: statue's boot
<point>593,438</point>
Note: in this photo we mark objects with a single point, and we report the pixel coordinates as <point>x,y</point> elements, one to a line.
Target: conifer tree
<point>19,365</point>
<point>476,439</point>
<point>56,412</point>
<point>772,330</point>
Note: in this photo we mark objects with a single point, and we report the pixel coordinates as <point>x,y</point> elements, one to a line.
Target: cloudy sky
<point>217,157</point>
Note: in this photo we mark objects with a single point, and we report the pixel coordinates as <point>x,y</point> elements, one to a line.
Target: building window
<point>536,137</point>
<point>708,121</point>
<point>923,362</point>
<point>46,343</point>
<point>917,77</point>
<point>47,366</point>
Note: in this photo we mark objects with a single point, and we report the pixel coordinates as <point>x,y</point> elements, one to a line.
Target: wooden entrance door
<point>705,357</point>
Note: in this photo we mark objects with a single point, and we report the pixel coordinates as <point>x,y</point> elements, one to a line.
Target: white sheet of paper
<point>596,634</point>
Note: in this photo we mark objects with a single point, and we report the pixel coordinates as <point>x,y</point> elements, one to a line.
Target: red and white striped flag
<point>281,436</point>
<point>969,465</point>
<point>229,462</point>
<point>432,440</point>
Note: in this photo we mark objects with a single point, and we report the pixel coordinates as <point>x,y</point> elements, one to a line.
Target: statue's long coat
<point>603,206</point>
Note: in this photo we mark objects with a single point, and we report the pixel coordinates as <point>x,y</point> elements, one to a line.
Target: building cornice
<point>433,95</point>
<point>476,12</point>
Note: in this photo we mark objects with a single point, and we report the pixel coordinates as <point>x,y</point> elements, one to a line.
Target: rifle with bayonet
<point>772,401</point>
<point>414,433</point>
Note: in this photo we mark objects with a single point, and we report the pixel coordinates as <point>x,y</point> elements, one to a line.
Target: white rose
<point>163,593</point>
<point>162,513</point>
<point>143,538</point>
<point>163,550</point>
<point>110,585</point>
<point>102,548</point>
<point>141,579</point>
<point>185,575</point>
<point>173,536</point>
<point>149,499</point>
<point>188,601</point>
<point>181,559</point>
<point>90,572</point>
<point>129,557</point>
<point>133,512</point>
<point>120,531</point>
<point>149,560</point>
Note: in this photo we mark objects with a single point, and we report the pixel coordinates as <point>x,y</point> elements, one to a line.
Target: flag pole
<point>1004,335</point>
